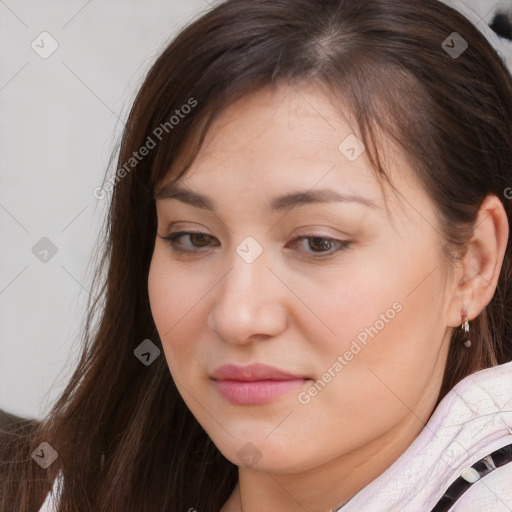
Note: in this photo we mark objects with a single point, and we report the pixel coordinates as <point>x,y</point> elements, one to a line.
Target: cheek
<point>389,345</point>
<point>174,306</point>
<point>385,315</point>
<point>382,378</point>
<point>353,307</point>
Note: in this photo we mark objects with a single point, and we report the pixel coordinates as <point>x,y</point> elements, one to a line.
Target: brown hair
<point>125,438</point>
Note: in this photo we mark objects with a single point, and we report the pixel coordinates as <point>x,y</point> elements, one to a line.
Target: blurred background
<point>69,74</point>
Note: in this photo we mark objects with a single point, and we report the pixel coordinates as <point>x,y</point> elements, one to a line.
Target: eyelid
<point>342,244</point>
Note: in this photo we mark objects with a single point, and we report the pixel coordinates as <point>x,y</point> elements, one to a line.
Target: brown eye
<point>322,245</point>
<point>319,246</point>
<point>197,239</point>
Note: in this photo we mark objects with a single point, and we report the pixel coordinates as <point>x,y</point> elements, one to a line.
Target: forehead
<point>280,134</point>
<point>283,139</point>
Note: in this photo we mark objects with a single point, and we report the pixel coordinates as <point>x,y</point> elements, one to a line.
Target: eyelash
<point>171,239</point>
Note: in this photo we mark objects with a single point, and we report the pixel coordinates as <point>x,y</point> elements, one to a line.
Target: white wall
<point>60,118</point>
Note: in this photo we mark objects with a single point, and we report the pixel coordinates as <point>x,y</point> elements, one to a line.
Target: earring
<point>465,326</point>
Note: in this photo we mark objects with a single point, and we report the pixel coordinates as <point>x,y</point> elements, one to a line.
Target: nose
<point>249,302</point>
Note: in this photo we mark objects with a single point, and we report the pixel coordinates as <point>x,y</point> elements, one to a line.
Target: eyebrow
<point>298,198</point>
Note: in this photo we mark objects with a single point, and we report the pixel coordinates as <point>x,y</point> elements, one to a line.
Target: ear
<point>479,269</point>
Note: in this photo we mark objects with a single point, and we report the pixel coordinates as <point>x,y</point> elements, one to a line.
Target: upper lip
<point>251,372</point>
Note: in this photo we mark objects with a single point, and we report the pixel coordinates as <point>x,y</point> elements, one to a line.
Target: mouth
<point>254,384</point>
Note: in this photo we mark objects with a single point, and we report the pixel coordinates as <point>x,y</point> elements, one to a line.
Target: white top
<point>50,503</point>
<point>473,420</point>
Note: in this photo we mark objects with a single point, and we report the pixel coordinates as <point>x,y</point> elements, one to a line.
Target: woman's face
<point>347,299</point>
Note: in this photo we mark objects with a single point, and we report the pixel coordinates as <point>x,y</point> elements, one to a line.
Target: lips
<point>254,384</point>
<point>252,373</point>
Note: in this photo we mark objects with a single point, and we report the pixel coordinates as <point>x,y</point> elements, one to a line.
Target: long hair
<point>125,439</point>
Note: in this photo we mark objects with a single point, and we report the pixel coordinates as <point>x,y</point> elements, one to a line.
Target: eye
<point>319,244</point>
<point>195,236</point>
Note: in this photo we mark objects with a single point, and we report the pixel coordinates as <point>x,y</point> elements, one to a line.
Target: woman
<point>308,295</point>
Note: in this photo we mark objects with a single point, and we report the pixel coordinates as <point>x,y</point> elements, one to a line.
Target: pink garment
<point>473,420</point>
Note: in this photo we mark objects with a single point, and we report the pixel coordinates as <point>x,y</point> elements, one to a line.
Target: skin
<point>290,310</point>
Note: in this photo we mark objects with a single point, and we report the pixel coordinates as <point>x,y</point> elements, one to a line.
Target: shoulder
<point>471,422</point>
<point>476,419</point>
<point>492,492</point>
<point>469,406</point>
<point>52,498</point>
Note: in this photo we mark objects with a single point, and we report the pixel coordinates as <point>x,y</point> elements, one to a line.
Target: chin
<point>260,453</point>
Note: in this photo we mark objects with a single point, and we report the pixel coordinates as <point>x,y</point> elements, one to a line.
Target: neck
<point>326,488</point>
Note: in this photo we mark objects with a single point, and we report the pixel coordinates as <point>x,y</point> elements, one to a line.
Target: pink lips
<point>254,384</point>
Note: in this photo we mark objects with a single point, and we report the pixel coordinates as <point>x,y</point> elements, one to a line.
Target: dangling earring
<point>465,326</point>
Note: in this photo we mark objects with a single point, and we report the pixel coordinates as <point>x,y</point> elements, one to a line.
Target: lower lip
<point>256,392</point>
